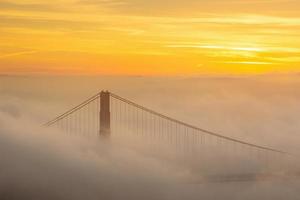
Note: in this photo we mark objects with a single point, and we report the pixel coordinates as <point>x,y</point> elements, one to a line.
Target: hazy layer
<point>259,109</point>
<point>44,164</point>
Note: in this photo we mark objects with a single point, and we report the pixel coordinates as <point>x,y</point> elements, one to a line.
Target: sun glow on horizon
<point>255,49</point>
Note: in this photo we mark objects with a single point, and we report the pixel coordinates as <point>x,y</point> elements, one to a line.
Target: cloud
<point>17,54</point>
<point>178,7</point>
<point>8,5</point>
<point>136,29</point>
<point>39,163</point>
<point>250,63</point>
<point>43,165</point>
<point>217,47</point>
<point>109,3</point>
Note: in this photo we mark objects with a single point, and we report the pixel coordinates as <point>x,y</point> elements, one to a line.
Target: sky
<point>143,37</point>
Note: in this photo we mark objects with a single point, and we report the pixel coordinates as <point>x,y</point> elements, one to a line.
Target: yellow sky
<point>149,37</point>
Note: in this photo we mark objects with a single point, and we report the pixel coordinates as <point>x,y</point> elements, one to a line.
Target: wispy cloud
<point>40,6</point>
<point>255,49</point>
<point>125,27</point>
<point>249,63</point>
<point>103,2</point>
<point>17,54</point>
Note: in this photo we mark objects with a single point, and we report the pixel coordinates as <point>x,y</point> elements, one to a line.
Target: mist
<point>44,163</point>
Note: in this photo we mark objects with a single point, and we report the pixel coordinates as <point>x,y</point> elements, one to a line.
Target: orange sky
<point>153,37</point>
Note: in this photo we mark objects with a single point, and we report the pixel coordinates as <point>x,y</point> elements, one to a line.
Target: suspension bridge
<point>110,117</point>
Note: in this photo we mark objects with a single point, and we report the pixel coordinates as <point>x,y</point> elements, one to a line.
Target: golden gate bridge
<point>114,118</point>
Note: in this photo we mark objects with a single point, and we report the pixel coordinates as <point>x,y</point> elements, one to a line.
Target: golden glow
<point>251,63</point>
<point>149,37</point>
<point>256,49</point>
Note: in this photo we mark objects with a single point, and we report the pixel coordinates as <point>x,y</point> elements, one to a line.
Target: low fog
<point>44,163</point>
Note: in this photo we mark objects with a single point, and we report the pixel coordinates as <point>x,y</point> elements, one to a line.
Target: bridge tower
<point>104,114</point>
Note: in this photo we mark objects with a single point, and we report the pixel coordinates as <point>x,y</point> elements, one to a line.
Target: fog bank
<point>40,163</point>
